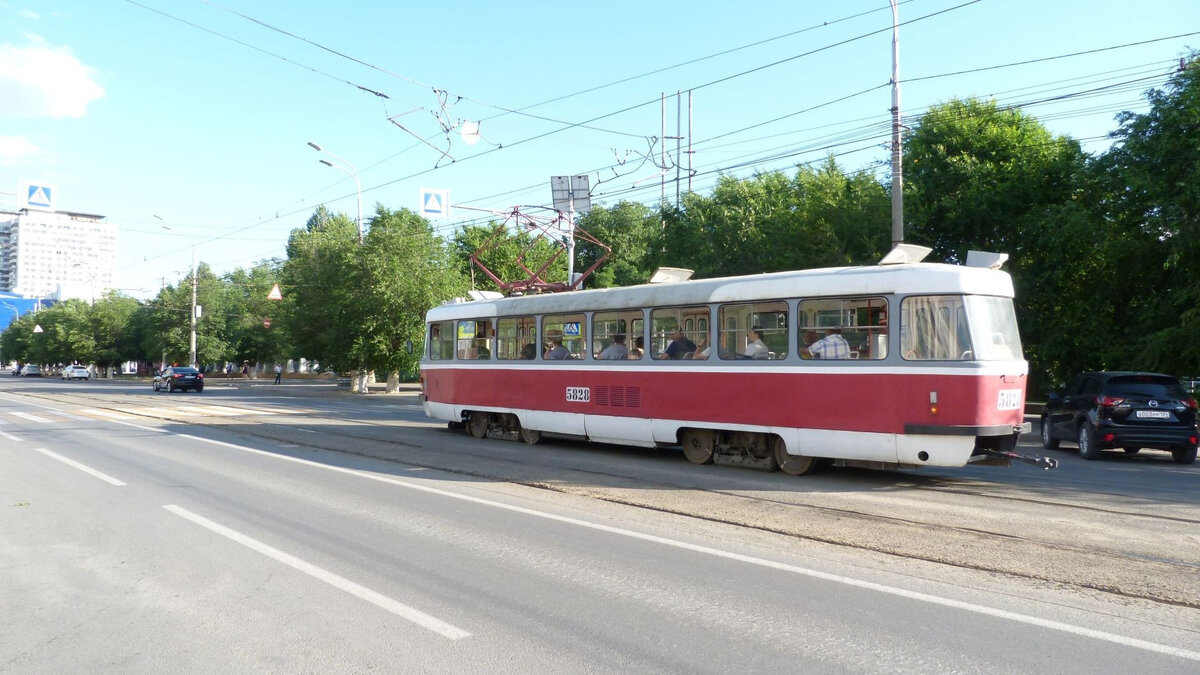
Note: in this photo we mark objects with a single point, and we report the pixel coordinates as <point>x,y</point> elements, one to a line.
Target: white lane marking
<point>9,436</point>
<point>31,417</point>
<point>308,430</point>
<point>86,469</point>
<point>751,560</point>
<point>378,599</point>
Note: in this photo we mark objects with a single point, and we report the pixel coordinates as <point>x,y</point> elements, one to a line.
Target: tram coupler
<point>1008,455</point>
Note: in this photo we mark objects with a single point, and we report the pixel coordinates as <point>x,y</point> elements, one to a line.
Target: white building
<point>57,254</point>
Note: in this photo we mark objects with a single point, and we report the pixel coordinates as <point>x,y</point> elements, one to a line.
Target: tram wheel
<point>477,424</point>
<point>792,465</point>
<point>531,436</point>
<point>698,445</point>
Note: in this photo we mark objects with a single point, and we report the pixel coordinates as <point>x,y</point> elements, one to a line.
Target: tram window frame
<point>557,325</point>
<point>664,321</point>
<point>474,340</point>
<point>769,316</point>
<point>514,334</point>
<point>606,325</point>
<point>861,320</point>
<point>441,341</point>
<point>935,328</point>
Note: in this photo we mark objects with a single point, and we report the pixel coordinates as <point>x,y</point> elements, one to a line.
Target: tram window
<point>516,338</point>
<point>563,331</point>
<point>607,326</point>
<point>441,340</point>
<point>861,322</point>
<point>934,327</point>
<point>670,337</point>
<point>763,332</point>
<point>474,339</point>
<point>992,322</point>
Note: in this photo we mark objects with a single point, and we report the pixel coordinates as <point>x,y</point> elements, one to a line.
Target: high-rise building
<point>59,254</point>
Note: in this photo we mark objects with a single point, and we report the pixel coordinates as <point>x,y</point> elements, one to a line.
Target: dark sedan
<point>179,378</point>
<point>1123,410</point>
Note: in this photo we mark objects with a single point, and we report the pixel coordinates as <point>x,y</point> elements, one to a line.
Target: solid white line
<point>31,417</point>
<point>86,469</point>
<point>395,607</point>
<point>761,562</point>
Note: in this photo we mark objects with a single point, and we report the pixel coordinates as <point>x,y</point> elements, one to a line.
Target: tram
<point>901,364</point>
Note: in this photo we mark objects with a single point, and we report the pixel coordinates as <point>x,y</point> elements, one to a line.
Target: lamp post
<point>346,167</point>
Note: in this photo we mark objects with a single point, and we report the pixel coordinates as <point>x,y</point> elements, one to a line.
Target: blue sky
<point>197,112</point>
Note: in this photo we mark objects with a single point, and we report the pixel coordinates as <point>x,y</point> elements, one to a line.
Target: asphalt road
<point>290,528</point>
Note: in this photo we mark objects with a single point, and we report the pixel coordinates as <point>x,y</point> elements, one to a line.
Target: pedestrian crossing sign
<point>435,203</point>
<point>38,196</point>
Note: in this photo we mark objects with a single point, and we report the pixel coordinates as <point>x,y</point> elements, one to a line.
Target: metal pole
<point>678,141</point>
<point>897,163</point>
<point>689,140</point>
<point>192,353</point>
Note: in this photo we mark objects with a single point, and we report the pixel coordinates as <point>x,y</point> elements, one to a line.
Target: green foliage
<point>505,255</point>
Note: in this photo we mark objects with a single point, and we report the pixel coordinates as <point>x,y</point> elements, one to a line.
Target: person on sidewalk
<point>278,372</point>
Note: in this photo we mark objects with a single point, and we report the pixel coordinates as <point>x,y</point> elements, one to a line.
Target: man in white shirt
<point>755,347</point>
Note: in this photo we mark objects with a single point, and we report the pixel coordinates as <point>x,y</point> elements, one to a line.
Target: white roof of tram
<point>918,278</point>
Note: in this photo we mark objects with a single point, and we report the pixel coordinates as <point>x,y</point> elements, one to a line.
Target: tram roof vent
<point>986,259</point>
<point>905,253</point>
<point>666,275</point>
<point>485,295</point>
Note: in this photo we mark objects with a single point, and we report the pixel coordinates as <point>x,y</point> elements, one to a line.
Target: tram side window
<point>441,340</point>
<point>516,338</point>
<point>679,333</point>
<point>754,331</point>
<point>934,328</point>
<point>616,334</point>
<point>474,339</point>
<point>843,328</point>
<point>563,336</point>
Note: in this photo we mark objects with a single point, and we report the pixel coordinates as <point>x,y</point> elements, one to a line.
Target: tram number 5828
<point>579,394</point>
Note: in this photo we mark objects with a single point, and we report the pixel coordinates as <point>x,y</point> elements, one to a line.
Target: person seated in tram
<point>639,348</point>
<point>529,352</point>
<point>832,346</point>
<point>755,347</point>
<point>809,338</point>
<point>701,350</point>
<point>555,351</point>
<point>617,350</point>
<point>680,346</point>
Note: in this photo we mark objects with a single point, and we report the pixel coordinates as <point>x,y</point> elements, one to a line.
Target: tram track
<point>1092,565</point>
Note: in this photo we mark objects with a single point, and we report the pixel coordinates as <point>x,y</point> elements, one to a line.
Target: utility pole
<point>193,343</point>
<point>897,167</point>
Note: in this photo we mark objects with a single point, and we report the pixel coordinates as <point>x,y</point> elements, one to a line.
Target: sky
<point>187,122</point>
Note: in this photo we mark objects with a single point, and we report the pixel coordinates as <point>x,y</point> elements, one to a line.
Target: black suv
<point>1123,410</point>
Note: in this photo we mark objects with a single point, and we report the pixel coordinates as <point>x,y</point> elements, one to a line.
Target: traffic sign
<point>435,203</point>
<point>266,323</point>
<point>275,294</point>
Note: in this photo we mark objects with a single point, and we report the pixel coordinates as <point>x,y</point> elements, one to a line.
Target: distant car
<point>31,370</point>
<point>1126,410</point>
<point>76,373</point>
<point>179,378</point>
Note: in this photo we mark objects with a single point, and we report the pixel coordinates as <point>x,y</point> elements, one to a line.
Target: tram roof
<point>919,278</point>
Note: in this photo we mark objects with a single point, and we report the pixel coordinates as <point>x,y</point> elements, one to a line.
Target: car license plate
<point>1152,414</point>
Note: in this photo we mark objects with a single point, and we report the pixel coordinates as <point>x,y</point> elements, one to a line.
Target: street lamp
<point>348,168</point>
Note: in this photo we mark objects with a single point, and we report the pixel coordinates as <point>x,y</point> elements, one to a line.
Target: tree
<point>318,277</point>
<point>111,319</point>
<point>632,231</point>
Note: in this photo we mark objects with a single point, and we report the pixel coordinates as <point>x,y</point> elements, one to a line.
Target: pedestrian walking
<point>278,372</point>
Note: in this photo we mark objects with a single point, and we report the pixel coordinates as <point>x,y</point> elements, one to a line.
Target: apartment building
<point>57,254</point>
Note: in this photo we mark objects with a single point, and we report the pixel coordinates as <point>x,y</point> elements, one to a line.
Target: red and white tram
<point>921,365</point>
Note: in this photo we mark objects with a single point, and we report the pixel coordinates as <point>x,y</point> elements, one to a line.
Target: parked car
<point>1126,410</point>
<point>76,373</point>
<point>179,378</point>
<point>31,370</point>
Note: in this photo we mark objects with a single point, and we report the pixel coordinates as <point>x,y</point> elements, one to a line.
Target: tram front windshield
<point>959,328</point>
